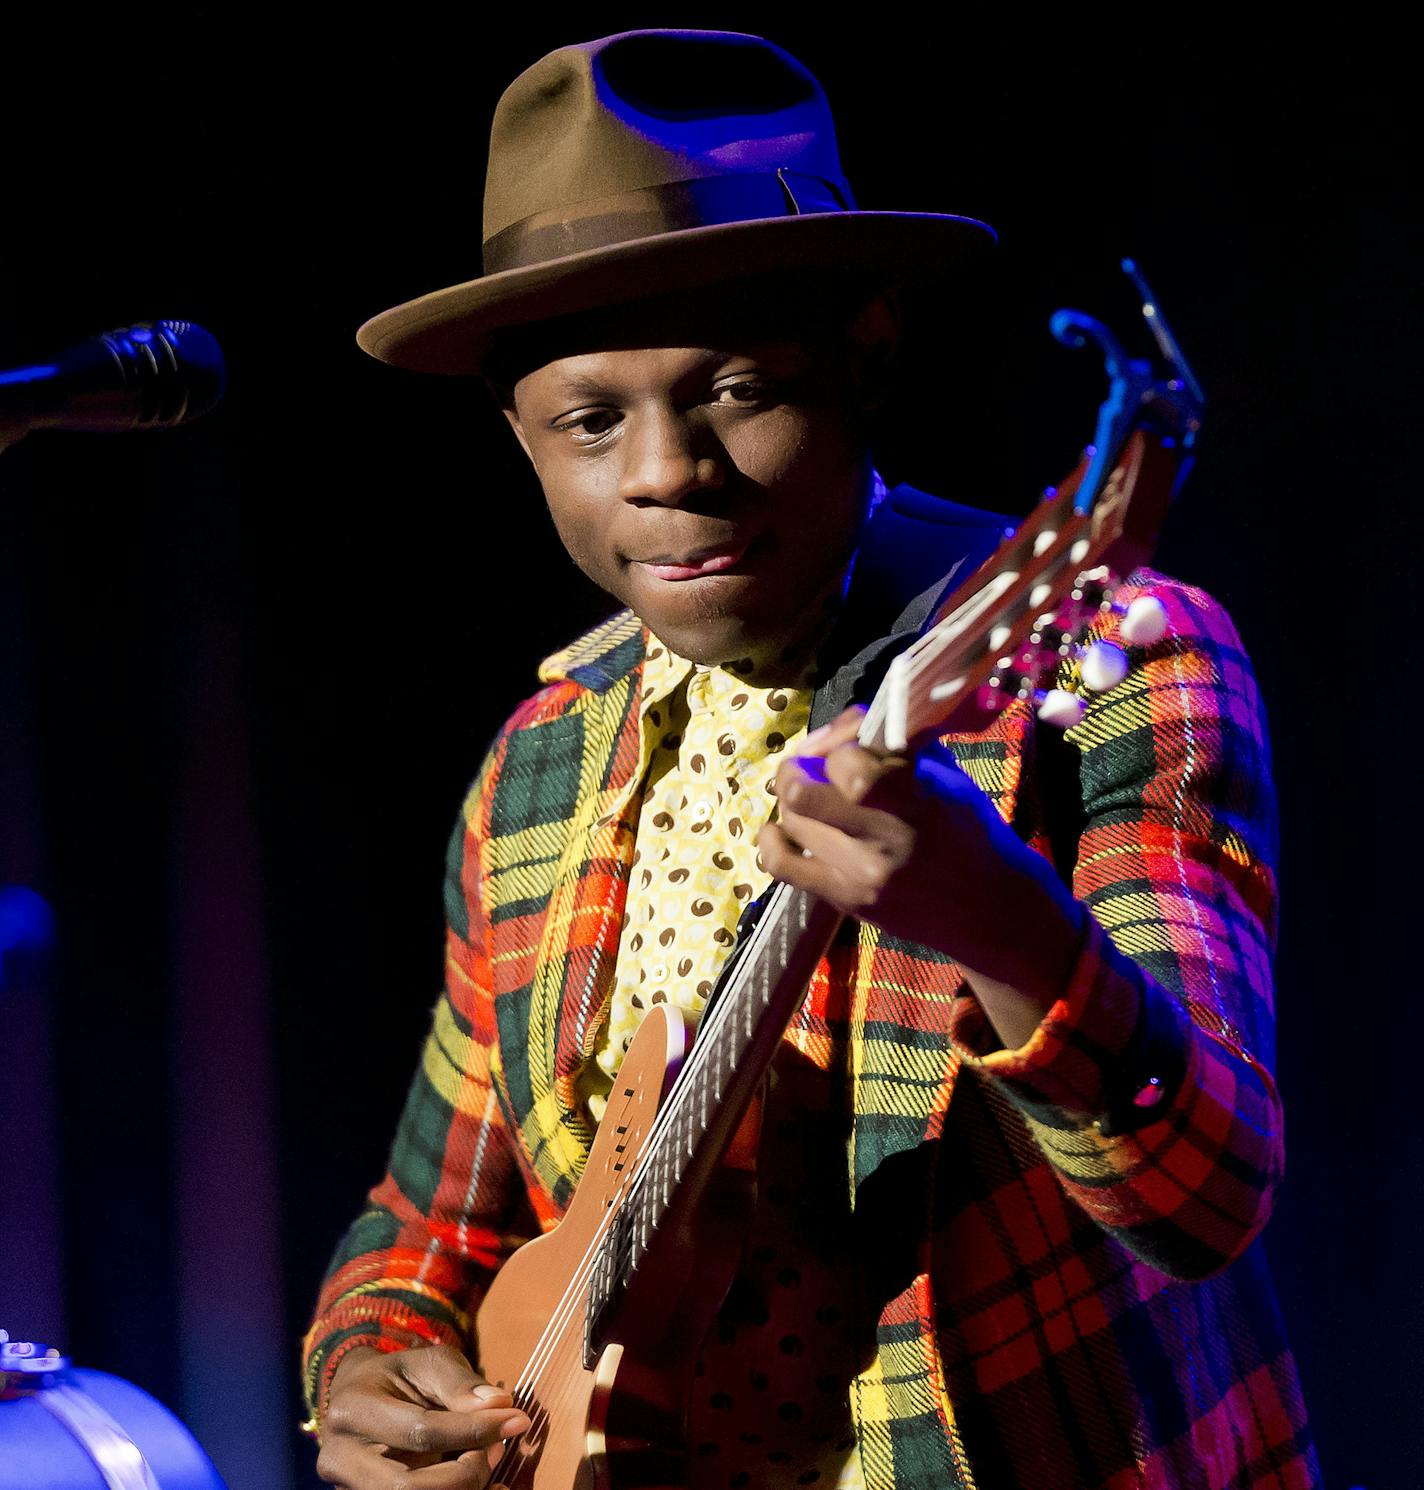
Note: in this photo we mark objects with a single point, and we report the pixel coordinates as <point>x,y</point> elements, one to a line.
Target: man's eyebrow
<point>578,385</point>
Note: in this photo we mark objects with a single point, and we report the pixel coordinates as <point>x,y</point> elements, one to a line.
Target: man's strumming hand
<point>422,1418</point>
<point>916,848</point>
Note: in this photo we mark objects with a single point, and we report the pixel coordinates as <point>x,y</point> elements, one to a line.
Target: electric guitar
<point>594,1327</point>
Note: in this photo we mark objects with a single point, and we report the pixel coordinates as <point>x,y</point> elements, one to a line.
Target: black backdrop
<point>250,666</point>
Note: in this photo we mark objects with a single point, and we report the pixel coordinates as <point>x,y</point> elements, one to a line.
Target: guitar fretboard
<point>754,1004</point>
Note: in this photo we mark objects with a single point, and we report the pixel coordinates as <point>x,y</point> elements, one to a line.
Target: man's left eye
<point>747,391</point>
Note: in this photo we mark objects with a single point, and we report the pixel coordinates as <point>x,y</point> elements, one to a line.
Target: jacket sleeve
<point>414,1265</point>
<point>1148,1085</point>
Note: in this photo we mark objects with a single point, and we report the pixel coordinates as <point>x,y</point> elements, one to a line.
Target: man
<point>1010,1170</point>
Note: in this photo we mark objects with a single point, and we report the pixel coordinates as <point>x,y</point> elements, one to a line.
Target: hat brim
<point>449,331</point>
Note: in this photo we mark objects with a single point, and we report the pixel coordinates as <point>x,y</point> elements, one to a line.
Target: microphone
<point>150,376</point>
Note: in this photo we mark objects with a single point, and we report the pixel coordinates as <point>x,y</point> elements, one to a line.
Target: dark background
<point>248,668</point>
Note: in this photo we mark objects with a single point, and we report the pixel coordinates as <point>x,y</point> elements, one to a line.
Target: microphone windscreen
<point>175,368</point>
<point>150,376</point>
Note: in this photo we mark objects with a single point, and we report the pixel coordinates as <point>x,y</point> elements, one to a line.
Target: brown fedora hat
<point>653,162</point>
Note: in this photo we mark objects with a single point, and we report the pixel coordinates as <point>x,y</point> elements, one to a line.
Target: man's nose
<point>668,459</point>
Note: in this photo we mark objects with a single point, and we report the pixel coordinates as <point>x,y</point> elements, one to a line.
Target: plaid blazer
<point>1060,1240</point>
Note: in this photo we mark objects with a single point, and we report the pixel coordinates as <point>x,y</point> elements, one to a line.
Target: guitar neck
<point>735,1045</point>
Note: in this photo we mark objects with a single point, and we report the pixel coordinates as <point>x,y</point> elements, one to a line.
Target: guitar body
<point>618,1424</point>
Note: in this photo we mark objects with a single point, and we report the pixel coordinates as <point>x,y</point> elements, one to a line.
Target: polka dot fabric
<point>770,1405</point>
<point>716,742</point>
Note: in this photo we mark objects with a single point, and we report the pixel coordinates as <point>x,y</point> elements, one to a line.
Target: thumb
<point>841,730</point>
<point>444,1375</point>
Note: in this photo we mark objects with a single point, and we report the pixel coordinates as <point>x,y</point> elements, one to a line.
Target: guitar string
<point>555,1393</point>
<point>552,1394</point>
<point>632,1187</point>
<point>677,1100</point>
<point>705,1050</point>
<point>926,650</point>
<point>545,1396</point>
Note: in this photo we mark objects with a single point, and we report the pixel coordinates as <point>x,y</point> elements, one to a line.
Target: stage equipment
<point>62,1428</point>
<point>151,376</point>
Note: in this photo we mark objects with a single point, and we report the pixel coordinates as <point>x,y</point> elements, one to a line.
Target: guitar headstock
<point>1003,634</point>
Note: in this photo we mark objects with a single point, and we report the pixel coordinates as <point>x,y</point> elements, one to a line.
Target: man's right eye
<point>598,422</point>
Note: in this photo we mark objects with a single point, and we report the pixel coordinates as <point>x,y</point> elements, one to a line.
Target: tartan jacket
<point>1066,1286</point>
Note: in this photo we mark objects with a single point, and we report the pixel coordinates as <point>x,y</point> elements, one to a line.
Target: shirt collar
<point>664,672</point>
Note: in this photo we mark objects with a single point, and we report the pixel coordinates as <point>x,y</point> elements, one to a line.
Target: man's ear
<point>519,434</point>
<point>503,396</point>
<point>875,341</point>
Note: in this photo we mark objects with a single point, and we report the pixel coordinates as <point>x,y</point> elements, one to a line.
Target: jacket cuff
<point>1111,1052</point>
<point>320,1367</point>
<point>327,1347</point>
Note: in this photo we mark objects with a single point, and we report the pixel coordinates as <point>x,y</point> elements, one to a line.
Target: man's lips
<point>700,562</point>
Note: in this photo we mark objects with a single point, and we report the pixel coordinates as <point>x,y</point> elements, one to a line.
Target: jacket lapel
<point>578,946</point>
<point>917,548</point>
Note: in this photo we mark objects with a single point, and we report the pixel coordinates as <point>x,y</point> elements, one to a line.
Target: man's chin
<point>711,643</point>
<point>759,613</point>
<point>778,649</point>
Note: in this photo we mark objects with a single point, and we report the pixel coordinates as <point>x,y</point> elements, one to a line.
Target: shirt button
<point>702,811</point>
<point>659,972</point>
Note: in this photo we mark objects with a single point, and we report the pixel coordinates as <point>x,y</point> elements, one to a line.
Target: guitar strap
<point>915,549</point>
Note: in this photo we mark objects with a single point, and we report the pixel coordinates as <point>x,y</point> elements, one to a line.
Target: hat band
<point>706,201</point>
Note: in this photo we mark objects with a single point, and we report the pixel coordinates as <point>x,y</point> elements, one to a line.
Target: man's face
<point>713,484</point>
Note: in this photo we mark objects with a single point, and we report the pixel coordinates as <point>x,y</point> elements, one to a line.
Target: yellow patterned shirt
<point>712,741</point>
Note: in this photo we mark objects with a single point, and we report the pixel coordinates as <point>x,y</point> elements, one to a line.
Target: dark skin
<point>749,449</point>
<point>419,1418</point>
<point>717,486</point>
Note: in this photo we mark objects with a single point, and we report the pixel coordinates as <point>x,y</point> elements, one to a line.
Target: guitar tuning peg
<point>1144,621</point>
<point>1104,665</point>
<point>1059,708</point>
